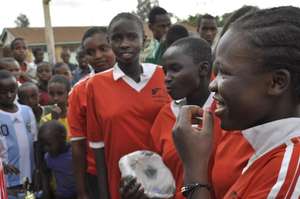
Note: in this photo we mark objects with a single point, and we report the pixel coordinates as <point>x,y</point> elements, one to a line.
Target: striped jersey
<point>18,131</point>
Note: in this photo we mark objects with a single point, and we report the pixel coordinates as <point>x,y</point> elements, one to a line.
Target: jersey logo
<point>4,130</point>
<point>155,90</point>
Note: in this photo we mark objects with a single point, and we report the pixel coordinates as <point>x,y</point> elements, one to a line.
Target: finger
<point>208,122</point>
<point>187,113</point>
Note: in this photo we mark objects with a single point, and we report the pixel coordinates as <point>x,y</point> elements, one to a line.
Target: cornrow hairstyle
<point>92,31</point>
<point>205,16</point>
<point>128,16</point>
<point>154,12</point>
<point>276,33</point>
<point>61,79</point>
<point>197,48</point>
<point>13,43</point>
<point>174,33</point>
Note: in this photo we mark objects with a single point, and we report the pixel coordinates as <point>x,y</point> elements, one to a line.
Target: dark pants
<point>92,186</point>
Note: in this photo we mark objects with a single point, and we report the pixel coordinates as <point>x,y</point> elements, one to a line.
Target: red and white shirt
<point>273,171</point>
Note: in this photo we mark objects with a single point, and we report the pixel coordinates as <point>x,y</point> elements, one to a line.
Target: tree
<point>144,7</point>
<point>22,21</point>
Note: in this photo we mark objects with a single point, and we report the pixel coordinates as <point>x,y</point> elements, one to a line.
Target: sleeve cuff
<point>96,145</point>
<point>72,139</point>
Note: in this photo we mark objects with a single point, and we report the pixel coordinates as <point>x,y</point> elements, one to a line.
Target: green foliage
<point>22,21</point>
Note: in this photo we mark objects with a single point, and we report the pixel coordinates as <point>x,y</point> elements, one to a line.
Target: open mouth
<point>221,107</point>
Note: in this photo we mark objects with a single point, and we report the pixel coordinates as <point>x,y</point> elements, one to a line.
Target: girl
<point>123,102</point>
<point>44,74</point>
<point>101,57</point>
<point>246,91</point>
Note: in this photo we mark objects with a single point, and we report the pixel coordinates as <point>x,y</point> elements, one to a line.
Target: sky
<point>99,12</point>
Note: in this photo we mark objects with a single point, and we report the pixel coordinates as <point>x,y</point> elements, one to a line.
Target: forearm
<point>79,162</point>
<point>102,173</point>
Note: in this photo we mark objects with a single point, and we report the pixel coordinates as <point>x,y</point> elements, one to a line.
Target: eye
<point>132,36</point>
<point>116,38</point>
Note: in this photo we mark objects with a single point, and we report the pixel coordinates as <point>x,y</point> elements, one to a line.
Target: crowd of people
<point>221,109</point>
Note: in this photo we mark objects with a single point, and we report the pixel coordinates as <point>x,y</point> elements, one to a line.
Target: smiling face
<point>182,74</point>
<point>100,54</point>
<point>241,86</point>
<point>126,38</point>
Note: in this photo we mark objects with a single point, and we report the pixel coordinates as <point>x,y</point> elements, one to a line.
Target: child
<point>18,134</point>
<point>123,102</point>
<point>10,64</point>
<point>38,54</point>
<point>58,89</point>
<point>28,94</point>
<point>58,160</point>
<point>95,43</point>
<point>44,74</point>
<point>83,68</point>
<point>246,91</point>
<point>62,69</point>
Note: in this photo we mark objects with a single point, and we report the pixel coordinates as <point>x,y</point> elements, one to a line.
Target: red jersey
<point>273,171</point>
<point>121,113</point>
<point>3,193</point>
<point>77,120</point>
<point>231,151</point>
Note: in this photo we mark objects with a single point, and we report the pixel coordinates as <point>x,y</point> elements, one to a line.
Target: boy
<point>83,66</point>
<point>17,135</point>
<point>10,64</point>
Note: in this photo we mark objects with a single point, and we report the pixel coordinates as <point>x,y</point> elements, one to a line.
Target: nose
<point>213,86</point>
<point>168,78</point>
<point>98,54</point>
<point>124,43</point>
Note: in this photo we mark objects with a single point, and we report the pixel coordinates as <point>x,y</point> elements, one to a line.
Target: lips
<point>221,106</point>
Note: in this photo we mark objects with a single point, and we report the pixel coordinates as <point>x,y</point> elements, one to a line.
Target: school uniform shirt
<point>3,193</point>
<point>225,149</point>
<point>77,117</point>
<point>120,114</point>
<point>273,170</point>
<point>18,131</point>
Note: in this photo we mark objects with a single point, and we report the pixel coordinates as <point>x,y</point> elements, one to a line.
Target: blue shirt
<point>61,167</point>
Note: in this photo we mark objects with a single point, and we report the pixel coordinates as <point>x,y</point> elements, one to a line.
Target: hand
<point>193,144</point>
<point>56,112</point>
<point>10,169</point>
<point>130,189</point>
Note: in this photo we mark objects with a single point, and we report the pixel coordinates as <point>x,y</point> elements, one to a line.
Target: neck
<point>12,108</point>
<point>132,70</point>
<point>198,97</point>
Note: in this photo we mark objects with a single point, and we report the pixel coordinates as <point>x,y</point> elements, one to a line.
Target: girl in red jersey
<point>123,102</point>
<point>258,96</point>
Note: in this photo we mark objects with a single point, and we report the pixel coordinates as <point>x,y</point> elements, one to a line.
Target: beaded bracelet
<point>191,188</point>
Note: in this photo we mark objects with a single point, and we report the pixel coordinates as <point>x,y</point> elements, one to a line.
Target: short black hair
<point>275,32</point>
<point>197,48</point>
<point>13,43</point>
<point>92,31</point>
<point>128,16</point>
<point>62,80</point>
<point>21,92</point>
<point>56,128</point>
<point>4,74</point>
<point>205,16</point>
<point>43,63</point>
<point>154,12</point>
<point>5,61</point>
<point>174,33</point>
<point>36,50</point>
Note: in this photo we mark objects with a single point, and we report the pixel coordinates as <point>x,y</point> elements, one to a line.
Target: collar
<point>148,71</point>
<point>177,104</point>
<point>265,137</point>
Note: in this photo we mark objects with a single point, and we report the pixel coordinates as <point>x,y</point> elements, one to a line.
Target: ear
<point>204,68</point>
<point>280,82</point>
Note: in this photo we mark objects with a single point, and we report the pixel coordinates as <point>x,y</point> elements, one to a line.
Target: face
<point>14,68</point>
<point>100,54</point>
<point>52,144</point>
<point>44,72</point>
<point>63,70</point>
<point>182,74</point>
<point>58,94</point>
<point>19,51</point>
<point>39,56</point>
<point>83,61</point>
<point>31,96</point>
<point>241,85</point>
<point>126,38</point>
<point>65,56</point>
<point>208,30</point>
<point>161,26</point>
<point>8,91</point>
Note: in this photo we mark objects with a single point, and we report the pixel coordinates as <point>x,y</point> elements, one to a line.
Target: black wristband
<point>191,188</point>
